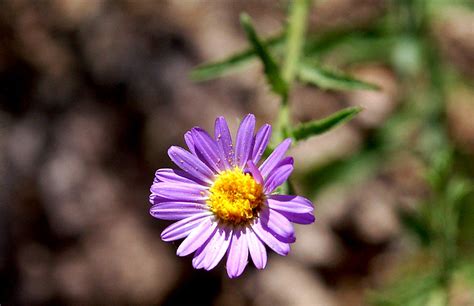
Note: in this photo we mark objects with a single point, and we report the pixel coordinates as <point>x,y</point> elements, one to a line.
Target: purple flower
<point>223,202</point>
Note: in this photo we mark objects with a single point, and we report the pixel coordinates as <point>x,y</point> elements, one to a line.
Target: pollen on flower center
<point>235,196</point>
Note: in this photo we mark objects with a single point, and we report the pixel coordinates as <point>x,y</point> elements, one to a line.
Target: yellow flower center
<point>235,196</point>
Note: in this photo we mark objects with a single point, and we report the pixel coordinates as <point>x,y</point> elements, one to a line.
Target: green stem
<point>294,44</point>
<point>283,123</point>
<point>295,37</point>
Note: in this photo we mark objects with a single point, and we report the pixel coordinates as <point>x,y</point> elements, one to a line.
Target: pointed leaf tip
<point>328,79</point>
<point>316,127</point>
<point>270,66</point>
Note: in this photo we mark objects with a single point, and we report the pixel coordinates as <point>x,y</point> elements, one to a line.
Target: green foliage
<point>326,79</point>
<point>466,271</point>
<point>458,189</point>
<point>417,224</point>
<point>271,69</point>
<point>346,48</point>
<point>411,291</point>
<point>234,62</point>
<point>295,38</point>
<point>316,127</point>
<point>342,172</point>
<point>441,164</point>
<point>406,55</point>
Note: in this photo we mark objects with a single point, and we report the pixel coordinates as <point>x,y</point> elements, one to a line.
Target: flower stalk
<point>296,31</point>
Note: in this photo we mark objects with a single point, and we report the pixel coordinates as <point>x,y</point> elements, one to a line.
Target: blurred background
<point>92,94</point>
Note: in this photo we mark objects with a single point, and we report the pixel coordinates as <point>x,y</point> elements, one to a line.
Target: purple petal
<point>200,254</point>
<point>272,161</point>
<point>173,176</point>
<point>190,164</point>
<point>154,199</point>
<point>285,161</point>
<point>244,141</point>
<point>290,203</point>
<point>289,239</point>
<point>180,191</point>
<point>305,218</point>
<point>278,177</point>
<point>197,237</point>
<point>277,223</point>
<point>224,142</point>
<point>188,138</point>
<point>206,149</point>
<point>183,227</point>
<point>176,210</point>
<point>261,141</point>
<point>238,254</point>
<point>210,255</point>
<point>270,239</point>
<point>257,250</point>
<point>254,171</point>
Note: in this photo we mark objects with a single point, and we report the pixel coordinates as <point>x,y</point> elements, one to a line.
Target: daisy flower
<point>223,202</point>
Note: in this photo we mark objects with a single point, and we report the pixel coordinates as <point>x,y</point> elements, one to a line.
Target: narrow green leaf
<point>271,69</point>
<point>327,79</point>
<point>233,62</point>
<point>316,127</point>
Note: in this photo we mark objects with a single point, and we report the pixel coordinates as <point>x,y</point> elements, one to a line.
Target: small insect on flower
<point>223,202</point>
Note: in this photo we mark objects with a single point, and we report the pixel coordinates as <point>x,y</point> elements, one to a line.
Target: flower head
<point>223,202</point>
